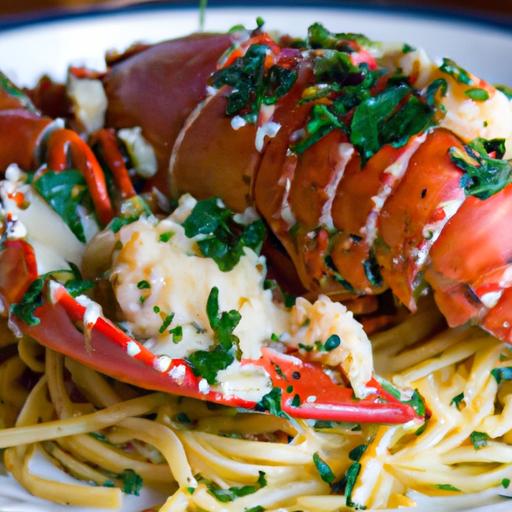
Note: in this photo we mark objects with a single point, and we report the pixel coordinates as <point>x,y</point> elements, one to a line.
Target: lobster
<point>277,129</point>
<point>324,203</point>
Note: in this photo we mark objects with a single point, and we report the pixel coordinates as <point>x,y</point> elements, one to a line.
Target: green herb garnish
<point>131,482</point>
<point>65,192</point>
<point>477,94</point>
<point>457,400</point>
<point>484,175</point>
<point>223,239</point>
<point>478,439</point>
<point>447,487</point>
<point>323,469</point>
<point>232,493</point>
<point>165,237</point>
<point>252,84</point>
<point>451,68</point>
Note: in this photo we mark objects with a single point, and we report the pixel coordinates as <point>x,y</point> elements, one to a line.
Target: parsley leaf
<point>320,37</point>
<point>478,439</point>
<point>505,483</point>
<point>321,122</point>
<point>447,487</point>
<point>502,373</point>
<point>477,94</point>
<point>457,399</point>
<point>271,402</point>
<point>252,84</point>
<point>378,120</point>
<point>484,176</point>
<point>223,324</point>
<point>33,297</point>
<point>417,403</point>
<point>350,480</point>
<point>451,68</point>
<point>323,469</point>
<point>437,88</point>
<point>130,211</point>
<point>132,482</point>
<point>209,364</point>
<point>332,342</point>
<point>232,493</point>
<point>65,192</point>
<point>223,238</point>
<point>356,453</point>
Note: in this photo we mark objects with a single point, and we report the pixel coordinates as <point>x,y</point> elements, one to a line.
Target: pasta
<point>195,450</point>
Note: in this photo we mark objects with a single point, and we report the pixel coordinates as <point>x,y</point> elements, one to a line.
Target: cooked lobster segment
<point>358,159</point>
<point>369,179</point>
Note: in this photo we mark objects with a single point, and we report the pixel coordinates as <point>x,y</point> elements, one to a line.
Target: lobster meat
<point>361,177</point>
<point>401,219</point>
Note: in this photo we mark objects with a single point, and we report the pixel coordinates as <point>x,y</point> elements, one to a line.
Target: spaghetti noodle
<point>96,429</point>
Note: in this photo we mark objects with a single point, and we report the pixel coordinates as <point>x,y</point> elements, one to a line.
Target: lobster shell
<point>298,195</point>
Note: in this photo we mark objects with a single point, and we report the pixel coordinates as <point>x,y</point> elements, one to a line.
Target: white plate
<point>27,51</point>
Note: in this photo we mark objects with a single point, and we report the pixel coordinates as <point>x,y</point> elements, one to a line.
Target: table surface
<point>498,9</point>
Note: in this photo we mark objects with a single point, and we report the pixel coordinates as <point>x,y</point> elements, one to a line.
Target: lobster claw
<point>66,326</point>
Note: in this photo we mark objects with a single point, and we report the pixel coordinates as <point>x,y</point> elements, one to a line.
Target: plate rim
<point>433,13</point>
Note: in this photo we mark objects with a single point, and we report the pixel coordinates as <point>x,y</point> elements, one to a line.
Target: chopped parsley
<point>390,117</point>
<point>502,373</point>
<point>208,363</point>
<point>167,320</point>
<point>257,508</point>
<point>320,37</point>
<point>131,482</point>
<point>177,334</point>
<point>223,324</point>
<point>478,439</point>
<point>66,192</point>
<point>295,401</point>
<point>417,403</point>
<point>271,403</point>
<point>451,68</point>
<point>477,94</point>
<point>484,175</point>
<point>505,483</point>
<point>436,90</point>
<point>457,400</point>
<point>350,480</point>
<point>232,493</point>
<point>332,342</point>
<point>222,238</point>
<point>322,121</point>
<point>130,211</point>
<point>407,48</point>
<point>447,487</point>
<point>253,85</point>
<point>143,285</point>
<point>165,237</point>
<point>33,297</point>
<point>323,469</point>
<point>356,453</point>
